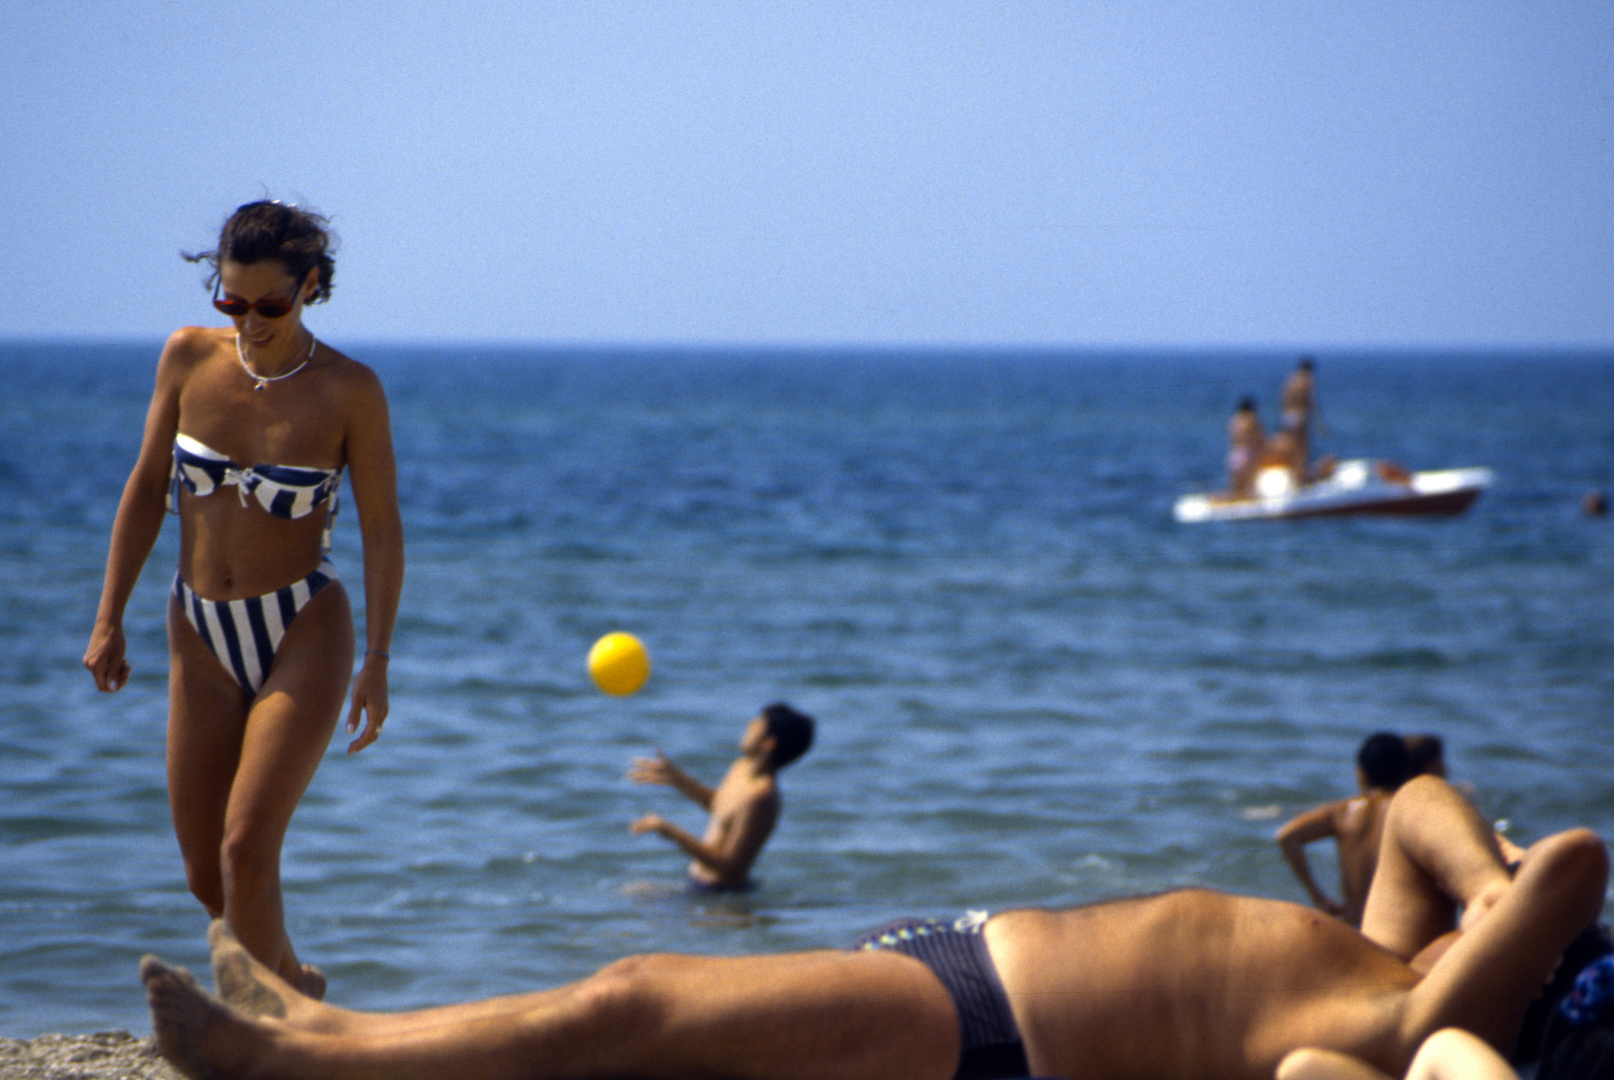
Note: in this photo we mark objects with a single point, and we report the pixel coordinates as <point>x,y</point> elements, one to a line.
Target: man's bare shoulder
<point>744,787</point>
<point>763,788</point>
<point>1361,815</point>
<point>1320,821</point>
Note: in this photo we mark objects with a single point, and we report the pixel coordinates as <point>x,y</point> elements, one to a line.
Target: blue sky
<point>1296,174</point>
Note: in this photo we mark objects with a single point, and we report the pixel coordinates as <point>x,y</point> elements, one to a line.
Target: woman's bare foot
<point>248,986</point>
<point>242,982</point>
<point>199,1035</point>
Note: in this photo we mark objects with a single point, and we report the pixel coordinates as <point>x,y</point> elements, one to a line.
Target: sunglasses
<point>269,309</point>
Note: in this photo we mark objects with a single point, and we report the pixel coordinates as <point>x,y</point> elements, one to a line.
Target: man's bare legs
<point>1492,971</point>
<point>1438,854</point>
<point>817,1015</point>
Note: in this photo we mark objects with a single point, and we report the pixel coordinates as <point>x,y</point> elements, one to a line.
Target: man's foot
<point>198,1034</point>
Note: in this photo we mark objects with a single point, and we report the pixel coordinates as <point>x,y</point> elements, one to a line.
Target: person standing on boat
<point>260,630</point>
<point>1299,405</point>
<point>1247,439</point>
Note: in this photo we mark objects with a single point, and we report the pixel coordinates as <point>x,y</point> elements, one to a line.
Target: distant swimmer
<point>1354,824</point>
<point>1247,440</point>
<point>743,809</point>
<point>1594,504</point>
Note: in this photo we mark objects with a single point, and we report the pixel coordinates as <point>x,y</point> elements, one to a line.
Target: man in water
<point>743,809</point>
<point>1354,824</point>
<point>1192,984</point>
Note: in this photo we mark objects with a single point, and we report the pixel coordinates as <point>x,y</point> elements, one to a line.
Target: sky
<point>1135,174</point>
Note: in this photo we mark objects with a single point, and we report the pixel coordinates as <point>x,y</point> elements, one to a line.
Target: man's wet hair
<point>791,730</point>
<point>1383,760</point>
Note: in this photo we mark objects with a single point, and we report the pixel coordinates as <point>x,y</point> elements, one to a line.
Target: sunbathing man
<point>1191,984</point>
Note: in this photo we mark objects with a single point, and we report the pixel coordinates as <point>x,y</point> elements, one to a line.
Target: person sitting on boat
<point>1286,454</point>
<point>1247,440</point>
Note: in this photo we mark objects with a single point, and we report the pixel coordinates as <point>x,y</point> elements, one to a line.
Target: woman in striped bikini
<point>260,629</point>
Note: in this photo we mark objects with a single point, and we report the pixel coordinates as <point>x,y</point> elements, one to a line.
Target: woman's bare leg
<point>235,783</point>
<point>288,731</point>
<point>207,714</point>
<point>818,1016</point>
<point>247,985</point>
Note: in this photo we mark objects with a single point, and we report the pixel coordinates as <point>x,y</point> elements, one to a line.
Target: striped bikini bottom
<point>245,634</point>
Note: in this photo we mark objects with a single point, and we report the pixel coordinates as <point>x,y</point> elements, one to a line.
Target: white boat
<point>1351,487</point>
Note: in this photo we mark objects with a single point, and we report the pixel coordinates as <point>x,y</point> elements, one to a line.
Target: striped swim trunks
<point>956,952</point>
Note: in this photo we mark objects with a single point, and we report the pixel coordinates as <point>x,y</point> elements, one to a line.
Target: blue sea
<point>1032,685</point>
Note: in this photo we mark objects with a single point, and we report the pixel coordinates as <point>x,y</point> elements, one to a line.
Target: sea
<point>1032,685</point>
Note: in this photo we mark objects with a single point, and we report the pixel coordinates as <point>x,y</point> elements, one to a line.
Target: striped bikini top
<point>286,491</point>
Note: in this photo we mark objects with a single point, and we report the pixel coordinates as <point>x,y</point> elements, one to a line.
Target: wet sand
<point>108,1055</point>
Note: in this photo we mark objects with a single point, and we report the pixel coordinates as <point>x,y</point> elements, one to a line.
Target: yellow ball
<point>619,664</point>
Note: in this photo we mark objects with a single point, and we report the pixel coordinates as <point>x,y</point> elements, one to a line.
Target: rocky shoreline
<point>107,1055</point>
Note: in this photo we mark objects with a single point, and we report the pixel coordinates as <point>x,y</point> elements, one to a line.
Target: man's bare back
<point>1355,824</point>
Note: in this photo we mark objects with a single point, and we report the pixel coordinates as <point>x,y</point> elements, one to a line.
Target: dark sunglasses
<point>269,309</point>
